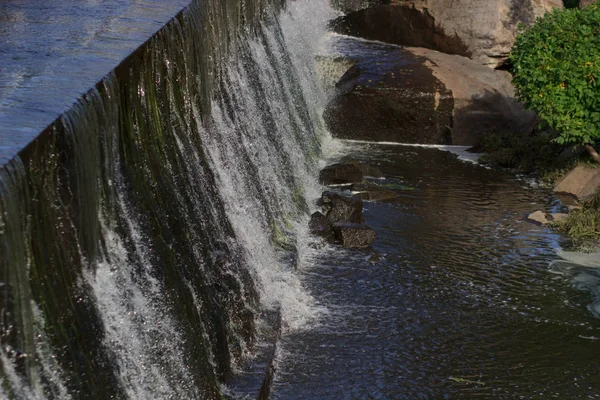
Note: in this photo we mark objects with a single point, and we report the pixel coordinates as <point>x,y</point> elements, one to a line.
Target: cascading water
<point>146,231</point>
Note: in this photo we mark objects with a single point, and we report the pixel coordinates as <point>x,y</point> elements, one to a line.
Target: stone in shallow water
<point>559,217</point>
<point>319,225</point>
<point>342,208</point>
<point>582,183</point>
<point>538,217</point>
<point>354,235</point>
<point>338,174</point>
<point>366,169</point>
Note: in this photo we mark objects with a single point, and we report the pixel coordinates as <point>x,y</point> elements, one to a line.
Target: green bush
<point>556,72</point>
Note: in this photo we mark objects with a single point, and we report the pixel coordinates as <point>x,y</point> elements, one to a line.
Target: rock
<point>342,208</point>
<point>483,98</point>
<point>417,95</point>
<point>354,235</point>
<point>319,225</point>
<point>559,217</point>
<point>484,30</point>
<point>402,103</point>
<point>331,69</point>
<point>538,217</point>
<point>368,170</point>
<point>337,174</point>
<point>582,183</point>
<point>585,3</point>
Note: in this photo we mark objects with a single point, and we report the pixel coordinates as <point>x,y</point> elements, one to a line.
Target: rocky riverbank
<point>440,77</point>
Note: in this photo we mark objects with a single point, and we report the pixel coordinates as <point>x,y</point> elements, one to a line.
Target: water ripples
<point>460,302</point>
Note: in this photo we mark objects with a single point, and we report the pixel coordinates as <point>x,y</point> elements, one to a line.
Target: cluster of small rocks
<point>341,220</point>
<point>576,187</point>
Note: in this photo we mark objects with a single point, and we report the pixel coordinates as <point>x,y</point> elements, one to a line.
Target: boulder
<point>484,30</point>
<point>581,183</point>
<point>354,235</point>
<point>418,95</point>
<point>330,70</point>
<point>319,225</point>
<point>368,170</point>
<point>585,3</point>
<point>559,217</point>
<point>538,217</point>
<point>403,102</point>
<point>339,174</point>
<point>483,98</point>
<point>342,208</point>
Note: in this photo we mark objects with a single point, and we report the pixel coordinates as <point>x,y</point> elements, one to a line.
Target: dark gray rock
<point>354,235</point>
<point>339,174</point>
<point>367,169</point>
<point>319,225</point>
<point>342,208</point>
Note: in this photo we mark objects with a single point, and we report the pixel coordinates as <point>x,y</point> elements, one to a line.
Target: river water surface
<point>459,297</point>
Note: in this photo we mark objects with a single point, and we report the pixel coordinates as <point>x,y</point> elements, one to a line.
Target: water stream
<point>458,298</point>
<point>154,243</point>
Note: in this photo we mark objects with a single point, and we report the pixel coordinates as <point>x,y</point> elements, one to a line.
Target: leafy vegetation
<point>531,154</point>
<point>557,73</point>
<point>583,225</point>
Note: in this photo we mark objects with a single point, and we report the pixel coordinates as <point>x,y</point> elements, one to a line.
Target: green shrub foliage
<point>556,72</point>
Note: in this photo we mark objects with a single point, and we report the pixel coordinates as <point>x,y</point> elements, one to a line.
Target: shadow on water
<point>456,299</point>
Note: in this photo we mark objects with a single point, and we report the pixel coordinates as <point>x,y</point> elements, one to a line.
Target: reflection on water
<point>460,300</point>
<point>54,51</point>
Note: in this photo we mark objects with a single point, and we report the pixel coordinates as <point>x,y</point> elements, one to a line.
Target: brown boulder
<point>368,170</point>
<point>418,95</point>
<point>342,208</point>
<point>403,102</point>
<point>559,217</point>
<point>582,183</point>
<point>339,174</point>
<point>539,217</point>
<point>484,30</point>
<point>483,98</point>
<point>354,235</point>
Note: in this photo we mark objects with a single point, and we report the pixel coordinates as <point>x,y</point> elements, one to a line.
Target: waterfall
<point>144,234</point>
